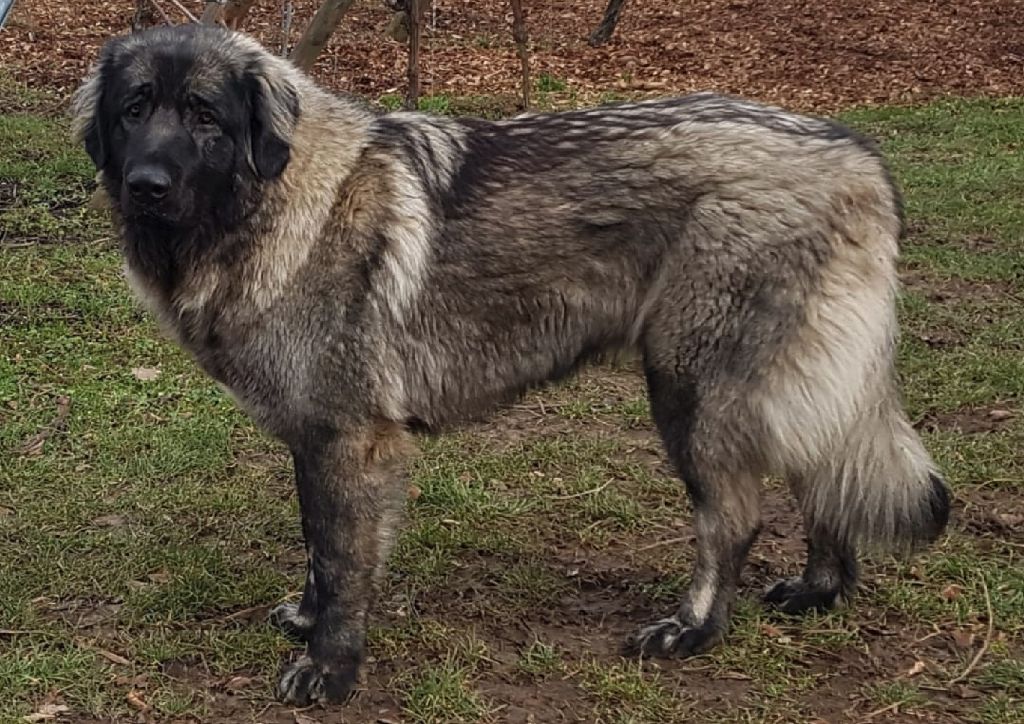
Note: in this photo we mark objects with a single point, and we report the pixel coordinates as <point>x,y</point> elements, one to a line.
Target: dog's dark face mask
<point>183,130</point>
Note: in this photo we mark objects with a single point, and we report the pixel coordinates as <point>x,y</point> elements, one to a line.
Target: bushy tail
<point>832,416</point>
<point>879,488</point>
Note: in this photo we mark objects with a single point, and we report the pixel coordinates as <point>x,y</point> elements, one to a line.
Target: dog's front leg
<point>348,495</point>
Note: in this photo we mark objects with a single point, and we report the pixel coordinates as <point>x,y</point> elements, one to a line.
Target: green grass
<point>547,83</point>
<point>443,693</point>
<point>148,520</point>
<point>47,179</point>
<point>962,164</point>
<point>627,694</point>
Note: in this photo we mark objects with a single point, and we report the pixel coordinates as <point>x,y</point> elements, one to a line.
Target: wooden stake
<point>314,40</point>
<point>521,38</point>
<point>415,34</point>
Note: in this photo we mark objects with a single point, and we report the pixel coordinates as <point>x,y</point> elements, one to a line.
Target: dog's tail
<point>879,488</point>
<point>834,423</point>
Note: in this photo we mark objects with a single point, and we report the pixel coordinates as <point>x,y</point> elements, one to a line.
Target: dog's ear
<point>90,125</point>
<point>85,122</point>
<point>275,111</point>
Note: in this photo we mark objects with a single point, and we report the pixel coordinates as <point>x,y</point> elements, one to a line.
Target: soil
<point>806,54</point>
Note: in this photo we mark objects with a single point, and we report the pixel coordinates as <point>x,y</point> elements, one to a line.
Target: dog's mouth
<point>159,213</point>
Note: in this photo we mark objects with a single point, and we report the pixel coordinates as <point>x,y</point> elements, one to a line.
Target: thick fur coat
<point>354,278</point>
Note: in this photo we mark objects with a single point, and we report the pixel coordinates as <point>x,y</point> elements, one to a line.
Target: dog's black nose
<point>148,183</point>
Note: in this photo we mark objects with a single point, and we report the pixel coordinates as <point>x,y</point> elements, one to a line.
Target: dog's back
<point>380,271</point>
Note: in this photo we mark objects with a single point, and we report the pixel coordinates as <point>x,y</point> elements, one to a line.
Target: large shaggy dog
<point>353,278</point>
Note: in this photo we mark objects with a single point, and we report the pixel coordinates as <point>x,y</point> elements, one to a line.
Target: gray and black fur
<point>352,277</point>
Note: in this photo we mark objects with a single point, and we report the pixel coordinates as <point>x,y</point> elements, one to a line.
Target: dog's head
<point>185,124</point>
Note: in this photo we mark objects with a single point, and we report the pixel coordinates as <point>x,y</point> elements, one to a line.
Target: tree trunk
<point>415,10</point>
<point>235,12</point>
<point>212,11</point>
<point>520,36</point>
<point>231,12</point>
<point>314,40</point>
<point>604,31</point>
<point>144,17</point>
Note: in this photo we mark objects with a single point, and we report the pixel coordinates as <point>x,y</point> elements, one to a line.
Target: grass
<point>443,693</point>
<point>145,526</point>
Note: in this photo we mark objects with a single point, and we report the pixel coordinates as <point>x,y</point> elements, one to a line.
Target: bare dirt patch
<point>804,53</point>
<point>969,420</point>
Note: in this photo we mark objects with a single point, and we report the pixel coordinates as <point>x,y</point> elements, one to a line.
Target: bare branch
<point>415,10</point>
<point>144,16</point>
<point>185,10</point>
<point>235,12</point>
<point>988,636</point>
<point>286,25</point>
<point>314,40</point>
<point>604,31</point>
<point>212,12</point>
<point>163,13</point>
<point>521,38</point>
<point>229,12</point>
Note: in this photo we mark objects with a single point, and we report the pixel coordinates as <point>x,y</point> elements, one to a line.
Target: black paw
<point>795,596</point>
<point>671,638</point>
<point>306,682</point>
<point>287,619</point>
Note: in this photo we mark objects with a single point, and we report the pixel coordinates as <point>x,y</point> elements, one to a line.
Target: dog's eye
<point>134,110</point>
<point>206,118</point>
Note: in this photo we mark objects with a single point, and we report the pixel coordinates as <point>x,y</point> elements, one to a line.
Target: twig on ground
<point>985,644</point>
<point>20,632</point>
<point>584,493</point>
<point>659,544</point>
<point>892,707</point>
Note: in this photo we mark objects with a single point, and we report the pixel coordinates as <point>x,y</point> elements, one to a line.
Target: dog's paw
<point>306,682</point>
<point>287,619</point>
<point>795,596</point>
<point>671,638</point>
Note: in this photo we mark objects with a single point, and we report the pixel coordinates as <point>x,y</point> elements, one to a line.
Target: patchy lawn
<point>146,528</point>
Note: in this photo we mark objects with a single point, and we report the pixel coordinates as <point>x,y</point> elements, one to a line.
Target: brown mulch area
<point>807,54</point>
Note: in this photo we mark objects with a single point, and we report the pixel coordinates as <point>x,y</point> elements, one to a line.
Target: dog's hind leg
<point>829,577</point>
<point>726,501</point>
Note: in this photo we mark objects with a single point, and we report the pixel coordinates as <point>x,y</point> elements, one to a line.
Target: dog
<point>355,279</point>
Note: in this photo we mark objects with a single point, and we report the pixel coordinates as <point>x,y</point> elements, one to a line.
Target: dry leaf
<point>145,374</point>
<point>33,447</point>
<point>952,592</point>
<point>161,576</point>
<point>734,675</point>
<point>135,701</point>
<point>769,630</point>
<point>47,712</point>
<point>303,719</point>
<point>237,683</point>
<point>963,639</point>
<point>998,415</point>
<point>414,492</point>
<point>963,692</point>
<point>916,669</point>
<point>112,657</point>
<point>1010,520</point>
